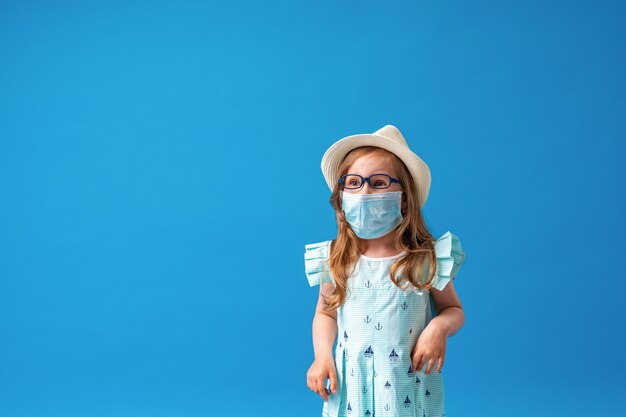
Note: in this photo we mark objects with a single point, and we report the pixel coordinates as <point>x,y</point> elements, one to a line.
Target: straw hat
<point>387,137</point>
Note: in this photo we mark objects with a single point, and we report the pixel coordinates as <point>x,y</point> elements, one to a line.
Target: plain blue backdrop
<point>160,176</point>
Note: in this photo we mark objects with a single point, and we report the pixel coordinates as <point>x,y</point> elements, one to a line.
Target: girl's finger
<point>321,389</point>
<point>333,381</point>
<point>428,365</point>
<point>440,364</point>
<point>417,365</point>
<point>431,362</point>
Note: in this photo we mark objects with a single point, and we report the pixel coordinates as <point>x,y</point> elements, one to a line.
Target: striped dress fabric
<point>378,326</point>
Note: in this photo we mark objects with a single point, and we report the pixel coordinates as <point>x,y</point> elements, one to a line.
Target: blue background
<point>159,178</point>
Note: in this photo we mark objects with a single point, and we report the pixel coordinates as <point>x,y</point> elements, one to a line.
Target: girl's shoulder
<point>316,262</point>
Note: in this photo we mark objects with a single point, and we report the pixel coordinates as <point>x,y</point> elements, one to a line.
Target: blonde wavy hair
<point>411,235</point>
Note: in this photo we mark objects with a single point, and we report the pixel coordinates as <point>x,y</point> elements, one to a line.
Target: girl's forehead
<point>371,164</point>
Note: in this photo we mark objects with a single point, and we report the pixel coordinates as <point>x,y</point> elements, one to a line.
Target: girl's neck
<point>380,247</point>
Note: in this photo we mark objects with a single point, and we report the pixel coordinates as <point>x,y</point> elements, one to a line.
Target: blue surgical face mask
<point>372,215</point>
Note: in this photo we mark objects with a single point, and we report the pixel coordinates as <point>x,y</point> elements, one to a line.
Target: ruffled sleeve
<point>316,262</point>
<point>449,257</point>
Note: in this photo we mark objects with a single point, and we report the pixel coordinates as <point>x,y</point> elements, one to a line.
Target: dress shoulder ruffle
<point>449,257</point>
<point>316,262</point>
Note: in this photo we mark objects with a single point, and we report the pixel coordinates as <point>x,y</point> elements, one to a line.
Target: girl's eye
<point>352,181</point>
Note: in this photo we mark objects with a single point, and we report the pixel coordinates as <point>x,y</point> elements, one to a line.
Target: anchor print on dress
<point>367,319</point>
<point>378,327</point>
<point>404,305</point>
<point>369,352</point>
<point>393,356</point>
<point>368,284</point>
<point>387,407</point>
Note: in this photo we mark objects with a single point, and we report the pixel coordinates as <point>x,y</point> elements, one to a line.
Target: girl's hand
<point>321,369</point>
<point>430,346</point>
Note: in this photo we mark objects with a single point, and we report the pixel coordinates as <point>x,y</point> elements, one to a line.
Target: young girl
<point>385,285</point>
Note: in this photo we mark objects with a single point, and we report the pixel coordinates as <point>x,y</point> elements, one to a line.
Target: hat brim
<point>337,151</point>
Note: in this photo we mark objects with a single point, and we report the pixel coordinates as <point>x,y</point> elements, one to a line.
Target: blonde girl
<point>386,293</point>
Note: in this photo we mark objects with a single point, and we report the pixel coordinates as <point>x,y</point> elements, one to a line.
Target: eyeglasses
<point>378,181</point>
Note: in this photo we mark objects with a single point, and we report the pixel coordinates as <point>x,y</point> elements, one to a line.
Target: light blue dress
<point>378,326</point>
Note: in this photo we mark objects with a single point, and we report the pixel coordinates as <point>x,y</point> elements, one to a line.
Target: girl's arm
<point>324,325</point>
<point>449,310</point>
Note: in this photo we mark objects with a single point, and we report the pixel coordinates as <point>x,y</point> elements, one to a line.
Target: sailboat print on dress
<point>410,371</point>
<point>387,385</point>
<point>407,402</point>
<point>369,352</point>
<point>393,356</point>
<point>345,336</point>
